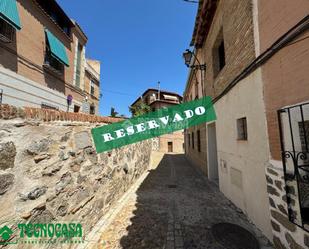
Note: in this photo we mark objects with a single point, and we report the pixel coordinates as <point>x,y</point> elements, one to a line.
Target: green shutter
<point>9,13</point>
<point>57,49</point>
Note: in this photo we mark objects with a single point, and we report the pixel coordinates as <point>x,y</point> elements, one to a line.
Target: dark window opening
<point>219,57</point>
<point>52,62</point>
<point>92,109</point>
<point>170,146</point>
<point>196,91</point>
<point>76,108</point>
<point>49,106</point>
<point>189,140</point>
<point>6,31</point>
<point>242,129</point>
<point>221,53</point>
<point>92,87</point>
<point>192,140</point>
<point>57,15</point>
<point>198,141</point>
<point>78,65</point>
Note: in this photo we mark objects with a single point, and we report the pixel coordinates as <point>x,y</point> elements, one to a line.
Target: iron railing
<point>294,138</point>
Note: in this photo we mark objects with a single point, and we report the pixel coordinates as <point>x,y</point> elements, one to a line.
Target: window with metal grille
<point>52,63</point>
<point>91,87</point>
<point>294,139</point>
<point>78,65</point>
<point>242,129</point>
<point>6,31</point>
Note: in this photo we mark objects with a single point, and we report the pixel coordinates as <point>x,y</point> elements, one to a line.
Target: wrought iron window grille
<point>294,139</point>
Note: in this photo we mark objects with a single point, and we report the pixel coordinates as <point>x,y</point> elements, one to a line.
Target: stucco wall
<point>242,163</point>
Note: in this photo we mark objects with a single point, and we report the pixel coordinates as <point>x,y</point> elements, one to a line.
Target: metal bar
<point>298,178</point>
<point>283,158</point>
<point>304,128</point>
<point>291,131</point>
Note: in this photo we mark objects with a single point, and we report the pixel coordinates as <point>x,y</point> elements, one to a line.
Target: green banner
<point>153,124</point>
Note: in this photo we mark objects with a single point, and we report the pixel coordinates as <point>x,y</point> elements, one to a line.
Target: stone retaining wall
<point>50,172</point>
<point>285,233</point>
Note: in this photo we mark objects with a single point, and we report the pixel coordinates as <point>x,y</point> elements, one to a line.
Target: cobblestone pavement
<point>173,208</point>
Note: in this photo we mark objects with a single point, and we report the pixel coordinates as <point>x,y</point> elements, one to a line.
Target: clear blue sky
<point>139,42</point>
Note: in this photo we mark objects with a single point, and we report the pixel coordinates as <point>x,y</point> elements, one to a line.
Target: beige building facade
<point>250,79</point>
<point>157,99</point>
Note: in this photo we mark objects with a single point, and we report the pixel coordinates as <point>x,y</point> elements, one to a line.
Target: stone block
<point>271,190</point>
<point>275,226</point>
<point>272,172</point>
<point>283,220</point>
<point>292,243</point>
<point>6,182</point>
<point>7,155</point>
<point>82,140</point>
<point>278,244</point>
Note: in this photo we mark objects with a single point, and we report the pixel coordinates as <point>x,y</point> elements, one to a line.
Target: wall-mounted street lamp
<point>190,57</point>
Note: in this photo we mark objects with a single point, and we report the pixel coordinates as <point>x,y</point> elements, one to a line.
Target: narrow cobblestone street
<point>174,207</point>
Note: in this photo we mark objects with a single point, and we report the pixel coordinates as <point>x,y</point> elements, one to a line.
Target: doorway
<point>212,153</point>
<point>170,147</point>
<point>76,108</point>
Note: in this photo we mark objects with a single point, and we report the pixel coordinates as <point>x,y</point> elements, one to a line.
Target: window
<point>78,65</point>
<point>76,108</point>
<point>188,139</point>
<point>52,62</point>
<point>169,146</point>
<point>242,129</point>
<point>91,87</point>
<point>221,53</point>
<point>192,140</point>
<point>92,109</point>
<point>218,54</point>
<point>6,31</point>
<point>198,141</point>
<point>294,138</point>
<point>196,90</point>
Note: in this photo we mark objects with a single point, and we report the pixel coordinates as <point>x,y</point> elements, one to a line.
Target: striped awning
<point>57,48</point>
<point>9,13</point>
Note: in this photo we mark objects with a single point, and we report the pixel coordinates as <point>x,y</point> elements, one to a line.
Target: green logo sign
<point>5,233</point>
<point>154,124</point>
<point>42,233</point>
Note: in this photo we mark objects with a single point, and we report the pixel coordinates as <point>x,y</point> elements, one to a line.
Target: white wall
<point>242,163</point>
<point>20,91</point>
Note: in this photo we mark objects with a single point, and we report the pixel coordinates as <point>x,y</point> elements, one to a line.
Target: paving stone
<point>178,218</point>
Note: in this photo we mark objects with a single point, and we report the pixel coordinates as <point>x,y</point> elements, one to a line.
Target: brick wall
<point>285,75</point>
<point>11,112</point>
<point>234,19</point>
<point>25,55</point>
